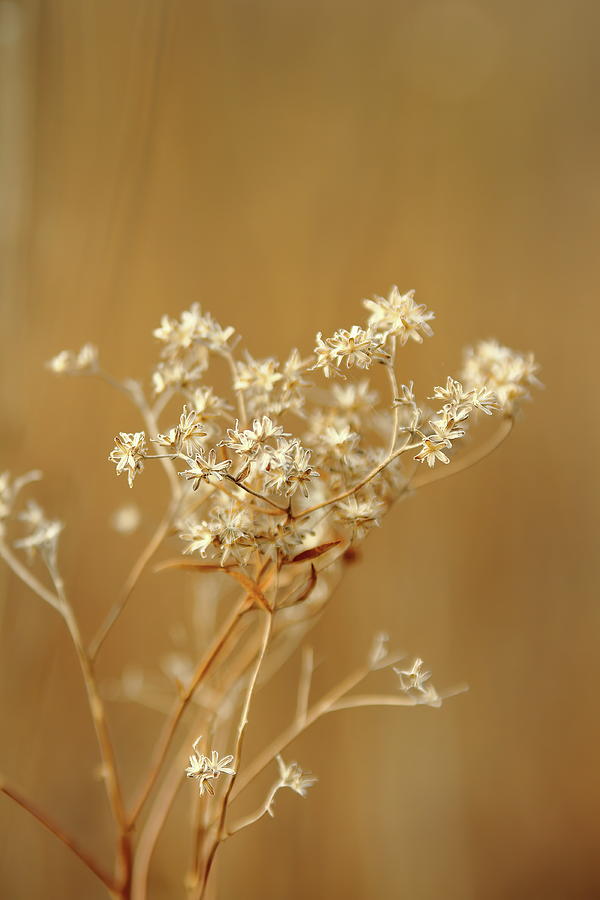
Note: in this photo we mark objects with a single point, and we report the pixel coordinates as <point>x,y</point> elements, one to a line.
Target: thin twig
<point>242,726</point>
<point>28,578</point>
<point>306,672</point>
<point>57,831</point>
<point>468,459</point>
<point>132,579</point>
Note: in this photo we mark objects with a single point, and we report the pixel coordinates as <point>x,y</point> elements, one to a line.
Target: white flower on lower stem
<point>206,769</point>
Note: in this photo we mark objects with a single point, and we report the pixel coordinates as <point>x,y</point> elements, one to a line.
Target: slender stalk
<point>132,579</point>
<point>356,487</point>
<point>242,726</point>
<point>256,816</point>
<point>162,803</point>
<point>28,578</point>
<point>306,672</point>
<point>109,762</point>
<point>468,459</point>
<point>391,373</point>
<point>240,484</point>
<point>57,831</point>
<point>241,401</point>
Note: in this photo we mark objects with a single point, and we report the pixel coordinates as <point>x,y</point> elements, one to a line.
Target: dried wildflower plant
<point>271,488</point>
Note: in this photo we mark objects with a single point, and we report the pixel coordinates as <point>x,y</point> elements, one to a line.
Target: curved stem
<point>468,459</point>
<point>391,373</point>
<point>356,487</point>
<point>28,578</point>
<point>241,401</point>
<point>243,724</point>
<point>132,579</point>
<point>55,829</point>
<point>161,806</point>
<point>240,484</point>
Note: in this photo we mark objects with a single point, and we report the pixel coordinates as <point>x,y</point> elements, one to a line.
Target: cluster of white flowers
<point>67,362</point>
<point>206,769</point>
<point>350,458</point>
<point>504,371</point>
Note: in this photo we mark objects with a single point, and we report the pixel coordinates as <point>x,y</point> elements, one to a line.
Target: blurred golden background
<point>278,161</point>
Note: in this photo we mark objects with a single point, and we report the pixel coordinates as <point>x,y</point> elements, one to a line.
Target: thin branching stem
<point>242,726</point>
<point>356,487</point>
<point>244,487</point>
<point>22,572</point>
<point>468,459</point>
<point>132,579</point>
<point>391,373</point>
<point>86,858</point>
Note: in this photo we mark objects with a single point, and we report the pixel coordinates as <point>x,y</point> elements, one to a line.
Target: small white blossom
<point>504,371</point>
<point>67,362</point>
<point>359,514</point>
<point>129,453</point>
<point>356,347</point>
<point>202,468</point>
<point>398,315</point>
<point>199,537</point>
<point>206,769</point>
<point>292,776</point>
<point>289,468</point>
<point>431,450</point>
<point>248,442</point>
<point>184,437</point>
<point>413,678</point>
<point>257,374</point>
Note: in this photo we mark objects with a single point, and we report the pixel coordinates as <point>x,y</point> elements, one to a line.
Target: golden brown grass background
<point>278,160</point>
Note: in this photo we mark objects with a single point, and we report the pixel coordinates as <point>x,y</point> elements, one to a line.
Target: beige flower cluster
<point>297,466</point>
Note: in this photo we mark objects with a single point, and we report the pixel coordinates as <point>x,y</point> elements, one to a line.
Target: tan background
<point>278,161</point>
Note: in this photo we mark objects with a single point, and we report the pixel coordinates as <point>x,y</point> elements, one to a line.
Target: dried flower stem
<point>239,394</point>
<point>109,763</point>
<point>243,723</point>
<point>244,487</point>
<point>57,831</point>
<point>356,487</point>
<point>471,458</point>
<point>28,578</point>
<point>391,373</point>
<point>133,578</point>
<point>161,806</point>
